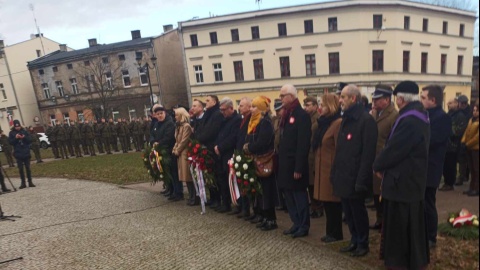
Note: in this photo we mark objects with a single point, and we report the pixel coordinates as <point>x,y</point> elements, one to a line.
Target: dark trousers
<point>76,146</point>
<point>36,152</point>
<point>431,215</point>
<point>24,162</point>
<point>268,214</point>
<point>357,220</point>
<point>450,168</point>
<point>177,185</point>
<point>62,149</point>
<point>224,189</point>
<point>472,157</point>
<point>315,205</point>
<point>378,208</point>
<point>54,148</point>
<point>2,182</point>
<point>99,142</point>
<point>333,212</point>
<point>463,169</point>
<point>70,147</point>
<point>298,209</point>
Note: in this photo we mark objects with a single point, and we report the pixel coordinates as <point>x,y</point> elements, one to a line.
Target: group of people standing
<point>331,156</point>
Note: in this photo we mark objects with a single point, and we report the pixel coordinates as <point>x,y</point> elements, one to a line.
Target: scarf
<point>288,112</point>
<point>323,125</point>
<point>254,121</point>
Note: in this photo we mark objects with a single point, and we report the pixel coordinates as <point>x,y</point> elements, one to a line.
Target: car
<point>44,142</point>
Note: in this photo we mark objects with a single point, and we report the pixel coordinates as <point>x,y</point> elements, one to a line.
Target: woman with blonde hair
<point>183,133</point>
<point>324,143</point>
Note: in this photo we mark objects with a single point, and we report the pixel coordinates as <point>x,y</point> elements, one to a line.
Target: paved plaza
<point>73,224</point>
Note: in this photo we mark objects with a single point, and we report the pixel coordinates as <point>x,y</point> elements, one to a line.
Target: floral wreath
<point>246,177</point>
<point>462,225</point>
<point>157,162</point>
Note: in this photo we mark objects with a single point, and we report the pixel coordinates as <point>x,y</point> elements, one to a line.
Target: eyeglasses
<point>284,95</point>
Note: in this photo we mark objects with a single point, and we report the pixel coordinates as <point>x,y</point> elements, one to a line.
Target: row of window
<point>3,92</point>
<point>311,68</point>
<point>308,29</point>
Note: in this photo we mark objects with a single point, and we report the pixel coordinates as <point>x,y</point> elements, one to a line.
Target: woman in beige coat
<point>324,143</point>
<point>183,132</point>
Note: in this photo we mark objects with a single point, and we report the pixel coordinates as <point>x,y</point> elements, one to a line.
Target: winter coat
<point>163,133</point>
<point>183,133</point>
<point>293,151</point>
<point>60,132</point>
<point>404,160</point>
<point>104,130</point>
<point>311,155</point>
<point>459,124</point>
<point>385,124</point>
<point>351,174</point>
<point>470,138</point>
<point>88,132</point>
<point>440,132</point>
<point>324,157</point>
<point>227,139</point>
<point>242,132</point>
<point>261,141</point>
<point>207,130</point>
<point>4,142</point>
<point>51,134</point>
<point>276,129</point>
<point>21,147</point>
<point>76,133</point>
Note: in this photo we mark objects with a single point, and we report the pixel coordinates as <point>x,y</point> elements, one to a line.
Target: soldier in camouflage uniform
<point>7,148</point>
<point>69,141</point>
<point>82,139</point>
<point>35,144</point>
<point>52,138</point>
<point>89,136</point>
<point>129,137</point>
<point>76,138</point>
<point>61,138</point>
<point>137,132</point>
<point>106,135</point>
<point>122,135</point>
<point>146,130</point>
<point>98,136</point>
<point>113,134</point>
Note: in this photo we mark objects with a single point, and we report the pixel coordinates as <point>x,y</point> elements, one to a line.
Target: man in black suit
<point>295,129</point>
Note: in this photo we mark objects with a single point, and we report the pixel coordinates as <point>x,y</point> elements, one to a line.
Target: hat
<point>462,99</point>
<point>16,123</point>
<point>159,108</point>
<point>262,103</point>
<point>277,105</point>
<point>341,85</point>
<point>382,91</point>
<point>407,87</point>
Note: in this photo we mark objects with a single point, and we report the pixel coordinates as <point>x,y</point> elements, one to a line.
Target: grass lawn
<point>115,169</point>
<point>45,153</point>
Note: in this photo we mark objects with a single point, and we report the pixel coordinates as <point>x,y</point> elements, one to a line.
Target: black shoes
<point>316,214</point>
<point>376,226</point>
<point>6,190</point>
<point>446,188</point>
<point>257,219</point>
<point>214,205</point>
<point>235,212</point>
<point>360,252</point>
<point>472,193</point>
<point>22,186</point>
<point>262,223</point>
<point>224,209</point>
<point>348,248</point>
<point>328,239</point>
<point>249,218</point>
<point>269,225</point>
<point>30,184</point>
<point>290,231</point>
<point>299,234</point>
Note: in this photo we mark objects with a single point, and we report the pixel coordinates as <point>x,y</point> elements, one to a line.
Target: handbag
<point>264,164</point>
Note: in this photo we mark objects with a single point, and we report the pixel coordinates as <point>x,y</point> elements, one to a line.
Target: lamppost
<point>147,67</point>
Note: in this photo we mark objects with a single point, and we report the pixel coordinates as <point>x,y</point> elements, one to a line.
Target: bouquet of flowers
<point>463,225</point>
<point>201,168</point>
<point>157,160</point>
<point>245,175</point>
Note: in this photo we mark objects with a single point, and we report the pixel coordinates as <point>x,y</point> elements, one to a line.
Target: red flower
<point>205,152</point>
<point>245,183</point>
<point>202,160</point>
<point>189,144</point>
<point>239,181</point>
<point>195,150</point>
<point>197,146</point>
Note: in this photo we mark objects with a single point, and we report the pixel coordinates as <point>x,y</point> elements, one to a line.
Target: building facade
<point>17,99</point>
<point>316,46</point>
<point>118,80</point>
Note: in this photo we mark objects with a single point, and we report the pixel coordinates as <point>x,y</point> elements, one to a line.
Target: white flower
<point>236,165</point>
<point>145,160</point>
<point>238,174</point>
<point>161,176</point>
<point>238,158</point>
<point>252,180</point>
<point>245,177</point>
<point>245,166</point>
<point>148,171</point>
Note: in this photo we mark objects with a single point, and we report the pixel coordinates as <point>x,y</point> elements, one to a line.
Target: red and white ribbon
<point>232,181</point>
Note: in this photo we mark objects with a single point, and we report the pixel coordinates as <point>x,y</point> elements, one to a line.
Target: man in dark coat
<point>224,148</point>
<point>20,139</point>
<point>459,124</point>
<point>351,174</point>
<point>440,132</point>
<point>293,152</point>
<point>206,133</point>
<point>462,155</point>
<point>403,166</point>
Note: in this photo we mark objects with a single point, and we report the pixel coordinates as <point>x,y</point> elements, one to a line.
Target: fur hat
<point>407,87</point>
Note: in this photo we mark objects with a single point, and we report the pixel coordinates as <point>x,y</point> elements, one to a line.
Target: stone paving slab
<point>73,224</point>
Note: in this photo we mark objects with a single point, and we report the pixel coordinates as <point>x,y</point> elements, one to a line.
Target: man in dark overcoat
<point>351,173</point>
<point>21,140</point>
<point>293,152</point>
<point>440,132</point>
<point>403,167</point>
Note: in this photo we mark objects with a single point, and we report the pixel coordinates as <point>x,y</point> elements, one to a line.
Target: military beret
<point>407,87</point>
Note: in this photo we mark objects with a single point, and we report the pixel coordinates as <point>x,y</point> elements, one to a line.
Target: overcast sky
<point>74,22</point>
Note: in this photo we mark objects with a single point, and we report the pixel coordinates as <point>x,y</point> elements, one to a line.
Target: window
<point>424,62</point>
<point>73,83</point>
<point>105,60</point>
<point>377,21</point>
<point>39,53</point>
<point>132,114</point>
<point>258,68</point>
<point>53,119</point>
<point>443,64</point>
<point>69,66</point>
<point>406,22</point>
<point>59,86</point>
<point>46,90</point>
<point>462,30</point>
<point>80,116</point>
<point>126,78</point>
<point>109,81</point>
<point>86,63</point>
<point>285,66</point>
<point>334,63</point>
<point>377,61</point>
<point>115,116</point>
<point>332,24</point>
<point>238,68</point>
<point>445,28</point>
<point>282,29</point>
<point>217,71</point>
<point>198,73</point>
<point>194,40</point>
<point>213,38</point>
<point>308,24</point>
<point>138,55</point>
<point>55,69</point>
<point>310,65</point>
<point>460,65</point>
<point>406,61</point>
<point>143,76</point>
<point>255,32</point>
<point>235,35</point>
<point>425,25</point>
<point>90,79</point>
<point>66,117</point>
<point>4,93</point>
<point>41,72</point>
<point>121,57</point>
